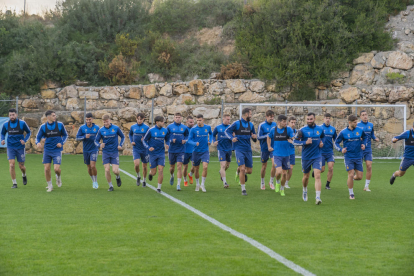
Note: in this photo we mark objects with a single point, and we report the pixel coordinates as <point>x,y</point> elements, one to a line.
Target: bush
<point>125,45</point>
<point>119,71</point>
<point>395,78</point>
<point>234,70</point>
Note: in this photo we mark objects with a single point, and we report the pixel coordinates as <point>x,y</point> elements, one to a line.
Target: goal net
<point>388,120</point>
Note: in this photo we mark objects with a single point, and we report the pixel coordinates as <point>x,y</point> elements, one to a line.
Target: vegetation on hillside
<point>296,42</point>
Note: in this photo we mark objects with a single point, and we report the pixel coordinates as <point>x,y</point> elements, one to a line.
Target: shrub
<point>395,77</point>
<point>125,45</point>
<point>234,70</point>
<point>119,71</point>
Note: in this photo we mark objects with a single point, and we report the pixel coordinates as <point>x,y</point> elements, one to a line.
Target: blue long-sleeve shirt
<point>243,141</point>
<point>281,148</point>
<point>51,133</point>
<point>329,140</point>
<point>203,135</point>
<point>136,133</point>
<point>109,137</point>
<point>189,148</point>
<point>88,143</point>
<point>409,143</point>
<point>352,141</point>
<point>179,132</point>
<point>292,147</point>
<point>155,138</point>
<point>312,150</point>
<point>224,143</point>
<point>263,131</point>
<point>369,132</point>
<point>15,133</point>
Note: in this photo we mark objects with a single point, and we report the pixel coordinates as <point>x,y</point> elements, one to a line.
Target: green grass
<point>76,230</point>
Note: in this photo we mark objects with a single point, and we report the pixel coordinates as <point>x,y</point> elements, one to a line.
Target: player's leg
<point>12,171</point>
<point>94,172</point>
<point>350,183</point>
<point>368,175</point>
<point>279,173</point>
<point>404,165</point>
<point>330,175</point>
<point>108,176</point>
<point>145,173</point>
<point>263,173</point>
<point>272,174</point>
<point>317,166</point>
<point>398,173</point>
<point>137,162</point>
<point>204,176</point>
<point>22,168</point>
<point>115,170</point>
<point>306,168</point>
<point>292,162</point>
<point>160,175</point>
<point>242,173</point>
<point>185,170</point>
<point>179,170</point>
<point>223,168</point>
<point>197,176</point>
<point>58,172</point>
<point>173,159</point>
<point>48,176</point>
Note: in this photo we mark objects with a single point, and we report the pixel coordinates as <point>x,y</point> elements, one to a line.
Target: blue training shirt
<point>109,137</point>
<point>329,140</point>
<point>15,133</point>
<point>136,134</point>
<point>408,136</point>
<point>281,147</point>
<point>203,135</point>
<point>88,143</point>
<point>243,135</point>
<point>263,130</point>
<point>224,143</point>
<point>352,141</point>
<point>54,133</point>
<point>188,147</point>
<point>369,132</point>
<point>313,150</point>
<point>292,147</point>
<point>179,132</point>
<point>155,138</point>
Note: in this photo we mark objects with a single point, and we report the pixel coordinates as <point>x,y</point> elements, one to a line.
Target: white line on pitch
<point>253,242</point>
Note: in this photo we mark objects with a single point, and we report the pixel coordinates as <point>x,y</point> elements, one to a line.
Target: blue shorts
<point>282,161</point>
<point>224,155</point>
<point>406,163</point>
<point>89,157</point>
<point>292,159</point>
<point>244,158</point>
<point>307,165</point>
<point>354,164</point>
<point>199,157</point>
<point>156,160</point>
<point>144,156</point>
<point>110,158</point>
<point>265,155</point>
<point>367,155</point>
<point>20,154</point>
<point>188,156</point>
<point>56,157</point>
<point>176,157</point>
<point>327,157</point>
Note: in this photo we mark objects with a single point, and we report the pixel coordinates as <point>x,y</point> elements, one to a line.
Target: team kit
<point>190,142</point>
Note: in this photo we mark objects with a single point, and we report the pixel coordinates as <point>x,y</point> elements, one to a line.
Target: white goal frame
<point>356,106</point>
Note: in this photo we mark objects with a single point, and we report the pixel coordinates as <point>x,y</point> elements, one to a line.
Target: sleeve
<point>271,134</point>
<point>131,135</point>
<point>253,130</point>
<point>322,134</point>
<point>80,136</point>
<point>98,138</point>
<point>40,134</point>
<point>335,136</point>
<point>167,136</point>
<point>121,134</point>
<point>146,138</point>
<point>215,132</point>
<point>373,134</point>
<point>261,135</point>
<point>186,133</point>
<point>403,135</point>
<point>298,139</point>
<point>64,134</point>
<point>291,133</point>
<point>210,134</point>
<point>26,128</point>
<point>229,131</point>
<point>338,142</point>
<point>364,138</point>
<point>3,132</point>
<point>190,138</point>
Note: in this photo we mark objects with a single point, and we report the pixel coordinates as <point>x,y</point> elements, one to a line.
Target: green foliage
<point>190,102</point>
<point>302,93</point>
<point>214,101</point>
<point>395,77</point>
<point>126,45</point>
<point>119,71</point>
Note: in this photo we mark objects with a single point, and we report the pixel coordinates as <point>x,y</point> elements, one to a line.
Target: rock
<point>134,93</point>
<point>236,86</point>
<point>399,60</point>
<point>214,75</point>
<point>407,31</point>
<point>378,61</point>
<point>91,95</point>
<point>162,100</point>
<point>178,108</point>
<point>30,103</point>
<point>349,95</point>
<point>183,98</point>
<point>77,116</point>
<point>406,47</point>
<point>69,147</point>
<point>399,111</point>
<point>155,78</point>
<point>393,126</point>
<point>70,92</point>
<point>48,94</point>
<point>257,86</point>
<point>128,113</point>
<point>81,83</point>
<point>197,87</point>
<point>217,88</point>
<point>336,83</point>
<point>208,113</point>
<point>109,93</point>
<point>79,148</point>
<point>112,104</point>
<point>362,74</point>
<point>363,58</point>
<point>128,125</point>
<point>72,104</point>
<point>181,89</point>
<point>49,85</point>
<point>31,122</point>
<point>167,90</point>
<point>271,87</point>
<point>93,105</point>
<point>99,113</point>
<point>150,91</point>
<point>250,97</point>
<point>378,94</point>
<point>157,112</point>
<point>400,93</point>
<point>382,113</point>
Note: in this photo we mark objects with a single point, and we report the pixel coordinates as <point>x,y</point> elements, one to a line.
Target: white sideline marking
<point>253,242</point>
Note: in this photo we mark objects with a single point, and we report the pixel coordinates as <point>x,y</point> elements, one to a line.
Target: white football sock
<point>110,184</point>
<point>263,181</point>
<point>277,181</point>
<point>271,180</point>
<point>178,181</point>
<point>14,181</point>
<point>92,178</point>
<point>203,180</point>
<point>282,188</point>
<point>287,182</point>
<point>197,181</point>
<point>49,184</point>
<point>224,180</point>
<point>118,176</point>
<point>305,189</point>
<point>243,187</point>
<point>367,183</point>
<point>159,186</point>
<point>191,173</point>
<point>138,175</point>
<point>318,194</point>
<point>351,191</point>
<point>23,174</point>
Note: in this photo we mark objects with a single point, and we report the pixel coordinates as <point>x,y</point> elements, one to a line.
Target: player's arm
<point>373,135</point>
<point>64,134</point>
<point>191,138</point>
<point>298,139</point>
<point>3,133</point>
<point>121,134</point>
<point>131,135</point>
<point>334,136</point>
<point>26,129</point>
<point>40,134</point>
<point>147,137</point>
<point>269,139</point>
<point>215,133</point>
<point>185,135</point>
<point>261,135</point>
<point>253,133</point>
<point>98,138</point>
<point>402,136</point>
<point>79,135</point>
<point>229,131</point>
<point>338,141</point>
<point>364,139</point>
<point>210,136</point>
<point>291,135</point>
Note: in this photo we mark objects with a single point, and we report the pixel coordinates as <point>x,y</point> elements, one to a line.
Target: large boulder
<point>181,89</point>
<point>72,104</point>
<point>183,98</point>
<point>393,125</point>
<point>399,111</point>
<point>134,93</point>
<point>406,47</point>
<point>162,100</point>
<point>155,78</point>
<point>109,93</point>
<point>208,113</point>
<point>362,74</point>
<point>31,122</point>
<point>349,95</point>
<point>378,94</point>
<point>90,95</point>
<point>257,86</point>
<point>363,58</point>
<point>150,91</point>
<point>128,113</point>
<point>399,60</point>
<point>69,147</point>
<point>197,87</point>
<point>171,110</point>
<point>30,103</point>
<point>378,62</point>
<point>48,94</point>
<point>77,116</point>
<point>70,91</point>
<point>400,93</point>
<point>217,88</point>
<point>236,86</point>
<point>250,97</point>
<point>167,90</point>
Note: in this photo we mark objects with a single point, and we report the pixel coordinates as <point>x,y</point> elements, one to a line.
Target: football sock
<point>351,191</point>
<point>159,186</point>
<point>263,181</point>
<point>318,194</point>
<point>243,187</point>
<point>14,181</point>
<point>110,184</point>
<point>203,180</point>
<point>367,183</point>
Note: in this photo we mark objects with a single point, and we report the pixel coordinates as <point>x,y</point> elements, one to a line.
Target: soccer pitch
<point>76,230</point>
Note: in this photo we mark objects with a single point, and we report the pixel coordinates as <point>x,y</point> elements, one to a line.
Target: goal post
<point>389,120</point>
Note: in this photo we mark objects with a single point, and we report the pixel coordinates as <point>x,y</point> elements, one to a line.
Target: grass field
<point>76,230</point>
